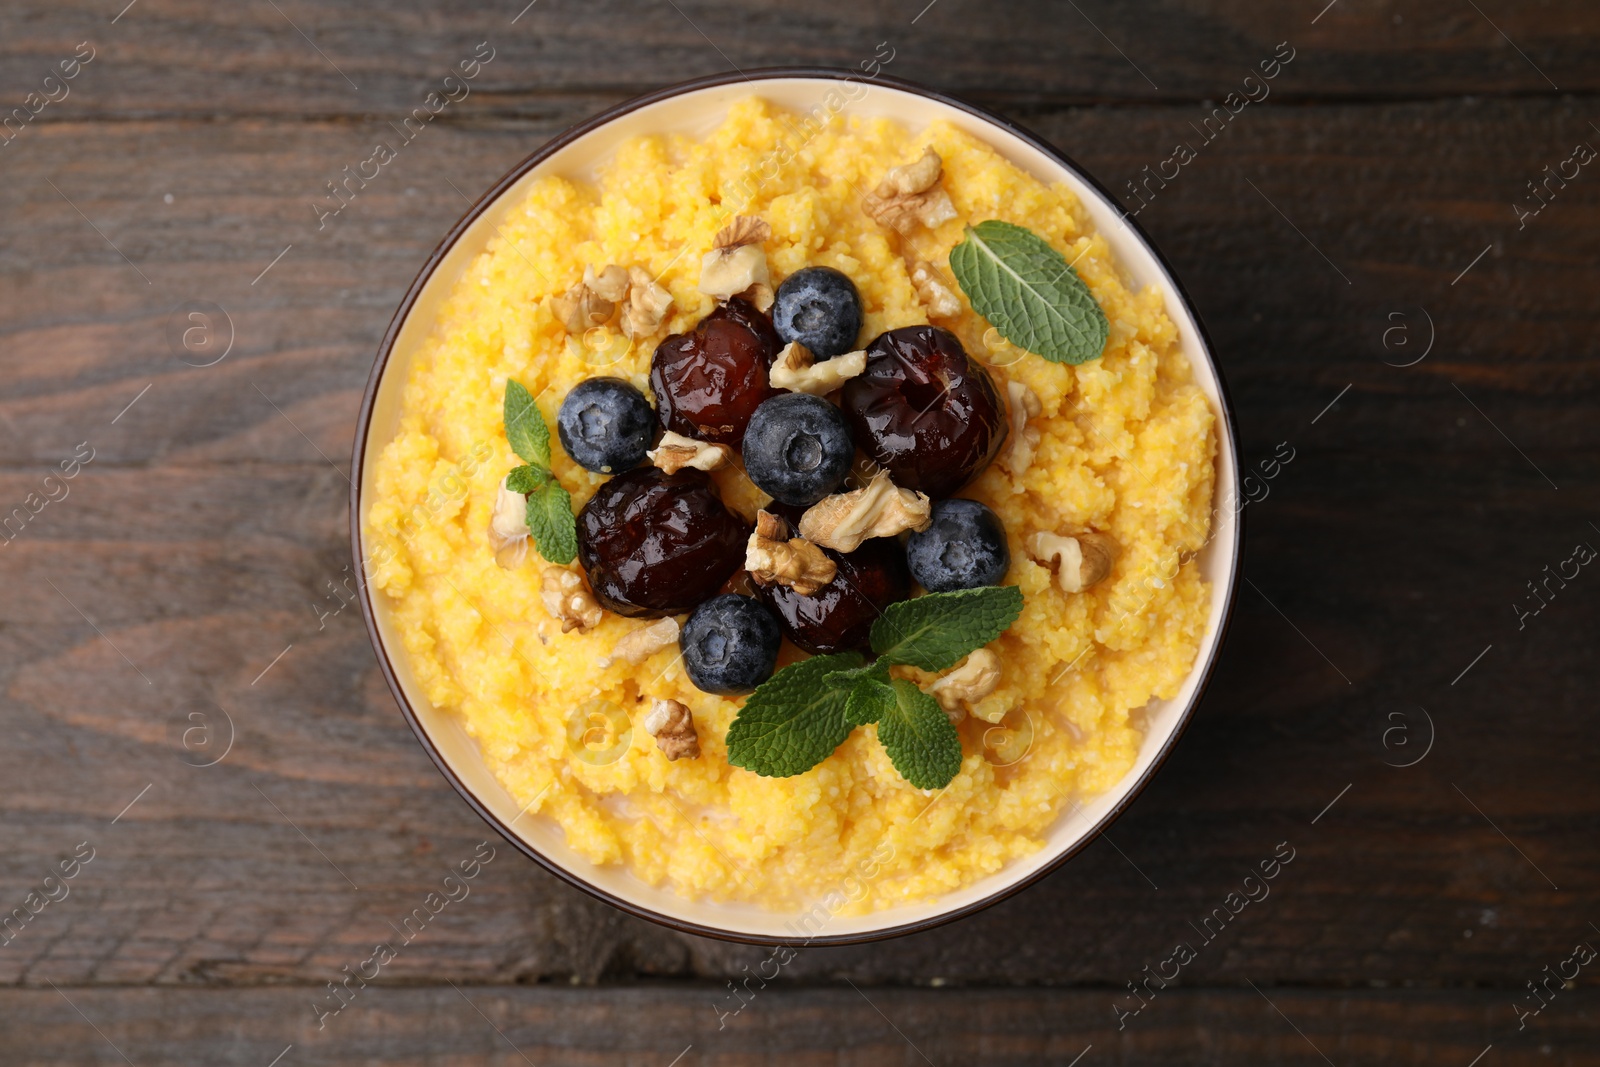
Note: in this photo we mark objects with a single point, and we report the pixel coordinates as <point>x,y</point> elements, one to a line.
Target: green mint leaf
<point>847,680</point>
<point>934,631</point>
<point>792,722</point>
<point>526,479</point>
<point>869,701</point>
<point>921,741</point>
<point>550,520</point>
<point>525,429</point>
<point>1013,278</point>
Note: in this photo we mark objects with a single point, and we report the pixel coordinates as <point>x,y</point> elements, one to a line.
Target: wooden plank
<point>359,59</point>
<point>679,1025</point>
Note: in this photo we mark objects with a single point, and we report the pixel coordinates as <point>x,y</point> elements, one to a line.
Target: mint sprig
<point>1029,292</point>
<point>549,511</point>
<point>792,722</point>
<point>799,716</point>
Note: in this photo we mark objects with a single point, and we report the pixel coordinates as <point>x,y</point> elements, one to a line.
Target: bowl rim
<point>753,76</point>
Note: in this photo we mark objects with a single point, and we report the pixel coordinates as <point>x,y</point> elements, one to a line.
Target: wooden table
<point>1375,302</point>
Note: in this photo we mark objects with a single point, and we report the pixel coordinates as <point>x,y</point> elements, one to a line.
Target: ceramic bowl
<point>695,108</point>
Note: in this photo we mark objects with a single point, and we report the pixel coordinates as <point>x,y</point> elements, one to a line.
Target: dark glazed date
<point>839,616</point>
<point>709,381</point>
<point>924,410</point>
<point>658,544</point>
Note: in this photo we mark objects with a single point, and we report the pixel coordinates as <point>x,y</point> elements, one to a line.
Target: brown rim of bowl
<point>363,424</point>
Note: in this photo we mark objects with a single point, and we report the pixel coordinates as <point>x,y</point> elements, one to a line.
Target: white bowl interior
<point>696,112</point>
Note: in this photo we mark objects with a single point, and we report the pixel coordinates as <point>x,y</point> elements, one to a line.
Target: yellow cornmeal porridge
<point>1126,448</point>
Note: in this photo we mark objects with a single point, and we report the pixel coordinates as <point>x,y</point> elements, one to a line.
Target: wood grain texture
<point>179,57</point>
<point>658,1026</point>
<point>176,587</point>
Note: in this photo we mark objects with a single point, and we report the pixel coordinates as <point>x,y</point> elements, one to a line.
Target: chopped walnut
<point>1022,404</point>
<point>771,555</point>
<point>968,683</point>
<point>940,300</point>
<point>639,644</point>
<point>647,304</point>
<point>796,370</point>
<point>582,308</point>
<point>919,176</point>
<point>610,284</point>
<point>1079,560</point>
<point>566,598</point>
<point>911,194</point>
<point>676,452</point>
<point>842,521</point>
<point>737,264</point>
<point>508,528</point>
<point>670,723</point>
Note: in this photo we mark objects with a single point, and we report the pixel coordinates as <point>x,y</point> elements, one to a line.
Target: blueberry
<point>820,308</point>
<point>797,448</point>
<point>963,549</point>
<point>606,425</point>
<point>730,644</point>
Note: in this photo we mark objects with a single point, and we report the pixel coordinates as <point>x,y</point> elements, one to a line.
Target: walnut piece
<point>508,528</point>
<point>939,299</point>
<point>581,308</point>
<point>676,452</point>
<point>592,301</point>
<point>566,598</point>
<point>968,683</point>
<point>911,194</point>
<point>610,284</point>
<point>670,723</point>
<point>771,555</point>
<point>882,509</point>
<point>647,304</point>
<point>919,176</point>
<point>639,644</point>
<point>737,264</point>
<point>1079,560</point>
<point>1023,404</point>
<point>796,370</point>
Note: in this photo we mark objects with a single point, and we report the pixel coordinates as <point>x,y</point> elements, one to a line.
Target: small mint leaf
<point>793,721</point>
<point>918,736</point>
<point>550,521</point>
<point>934,631</point>
<point>526,479</point>
<point>1029,292</point>
<point>526,432</point>
<point>869,701</point>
